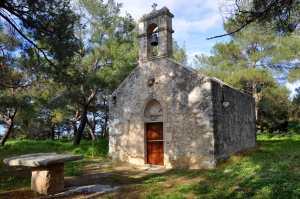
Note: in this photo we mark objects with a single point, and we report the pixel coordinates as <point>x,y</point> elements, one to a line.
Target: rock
<point>41,159</point>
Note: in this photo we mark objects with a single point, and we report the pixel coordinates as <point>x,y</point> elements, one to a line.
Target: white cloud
<point>139,7</point>
<point>202,25</point>
<point>191,55</point>
<point>193,22</point>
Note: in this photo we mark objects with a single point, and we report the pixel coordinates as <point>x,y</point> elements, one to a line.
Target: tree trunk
<point>255,95</point>
<point>74,122</point>
<point>7,132</point>
<point>52,132</point>
<point>261,128</point>
<point>10,124</point>
<point>91,127</point>
<point>104,131</point>
<point>92,131</point>
<point>81,127</point>
<point>254,92</point>
<point>83,117</point>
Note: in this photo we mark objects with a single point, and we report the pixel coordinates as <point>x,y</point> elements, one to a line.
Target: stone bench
<point>47,170</point>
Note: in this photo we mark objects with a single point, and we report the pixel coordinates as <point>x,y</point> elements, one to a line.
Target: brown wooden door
<point>155,143</point>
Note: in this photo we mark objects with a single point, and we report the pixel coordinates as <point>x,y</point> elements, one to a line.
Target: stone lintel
<point>158,30</point>
<point>154,58</point>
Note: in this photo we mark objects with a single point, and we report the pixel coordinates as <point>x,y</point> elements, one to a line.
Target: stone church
<point>169,114</point>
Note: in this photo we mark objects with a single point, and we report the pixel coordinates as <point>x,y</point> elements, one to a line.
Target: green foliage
<point>48,30</point>
<point>274,108</point>
<point>66,67</point>
<point>294,127</point>
<point>179,53</point>
<point>282,16</point>
<point>89,149</point>
<point>108,53</point>
<point>36,46</point>
<point>251,63</point>
<point>243,80</point>
<point>295,105</point>
<point>270,26</point>
<point>294,75</point>
<point>92,150</point>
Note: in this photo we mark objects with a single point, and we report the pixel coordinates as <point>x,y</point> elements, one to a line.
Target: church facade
<point>168,114</point>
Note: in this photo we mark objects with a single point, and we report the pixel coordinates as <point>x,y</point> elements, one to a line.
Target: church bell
<point>154,41</point>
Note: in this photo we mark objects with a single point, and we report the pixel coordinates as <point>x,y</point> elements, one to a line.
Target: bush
<point>90,149</point>
<point>294,127</point>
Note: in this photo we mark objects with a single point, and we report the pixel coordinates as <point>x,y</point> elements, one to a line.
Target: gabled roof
<point>193,70</point>
<point>181,65</point>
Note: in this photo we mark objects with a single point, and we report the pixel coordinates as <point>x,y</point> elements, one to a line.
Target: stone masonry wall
<point>185,96</point>
<point>234,120</point>
<point>203,119</point>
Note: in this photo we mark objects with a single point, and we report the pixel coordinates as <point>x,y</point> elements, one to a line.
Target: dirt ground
<point>99,181</point>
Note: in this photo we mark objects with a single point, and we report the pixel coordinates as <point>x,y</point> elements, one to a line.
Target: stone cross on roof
<point>154,6</point>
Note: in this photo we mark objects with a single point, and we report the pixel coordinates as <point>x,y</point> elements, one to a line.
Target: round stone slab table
<point>47,170</point>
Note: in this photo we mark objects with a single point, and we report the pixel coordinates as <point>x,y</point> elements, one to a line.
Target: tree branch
<point>248,22</point>
<point>26,38</point>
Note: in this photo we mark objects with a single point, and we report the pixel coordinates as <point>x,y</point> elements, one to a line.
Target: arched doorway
<point>154,133</point>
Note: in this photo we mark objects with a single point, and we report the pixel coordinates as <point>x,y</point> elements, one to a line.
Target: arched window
<point>153,108</point>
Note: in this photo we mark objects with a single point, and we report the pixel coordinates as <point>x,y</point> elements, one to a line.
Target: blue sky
<point>193,21</point>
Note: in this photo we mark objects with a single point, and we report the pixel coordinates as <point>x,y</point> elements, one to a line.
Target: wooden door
<point>155,143</point>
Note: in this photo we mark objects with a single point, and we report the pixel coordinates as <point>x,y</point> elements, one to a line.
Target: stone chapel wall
<point>234,120</point>
<point>185,96</point>
<point>125,124</point>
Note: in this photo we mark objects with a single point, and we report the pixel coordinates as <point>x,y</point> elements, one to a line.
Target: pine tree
<point>44,28</point>
<point>280,16</point>
<point>108,54</point>
<point>248,63</point>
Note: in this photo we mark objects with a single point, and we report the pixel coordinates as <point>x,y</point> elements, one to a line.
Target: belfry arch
<point>152,29</point>
<point>162,20</point>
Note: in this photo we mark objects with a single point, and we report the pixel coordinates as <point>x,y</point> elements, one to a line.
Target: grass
<point>271,170</point>
<point>88,148</point>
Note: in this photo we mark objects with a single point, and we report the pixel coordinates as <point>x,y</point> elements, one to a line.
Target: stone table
<point>47,170</point>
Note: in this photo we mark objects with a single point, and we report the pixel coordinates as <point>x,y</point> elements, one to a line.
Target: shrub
<point>294,127</point>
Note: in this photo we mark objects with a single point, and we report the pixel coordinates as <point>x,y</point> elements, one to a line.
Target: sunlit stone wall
<point>198,128</point>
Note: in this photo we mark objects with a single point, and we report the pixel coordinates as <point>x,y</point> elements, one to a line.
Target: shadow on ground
<point>94,181</point>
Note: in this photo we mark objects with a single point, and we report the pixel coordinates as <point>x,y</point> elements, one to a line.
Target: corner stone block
<point>48,180</point>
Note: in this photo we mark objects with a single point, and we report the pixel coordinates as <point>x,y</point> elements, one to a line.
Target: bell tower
<point>155,28</point>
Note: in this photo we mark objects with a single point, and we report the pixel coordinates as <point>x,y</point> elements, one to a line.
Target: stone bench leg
<point>48,180</point>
